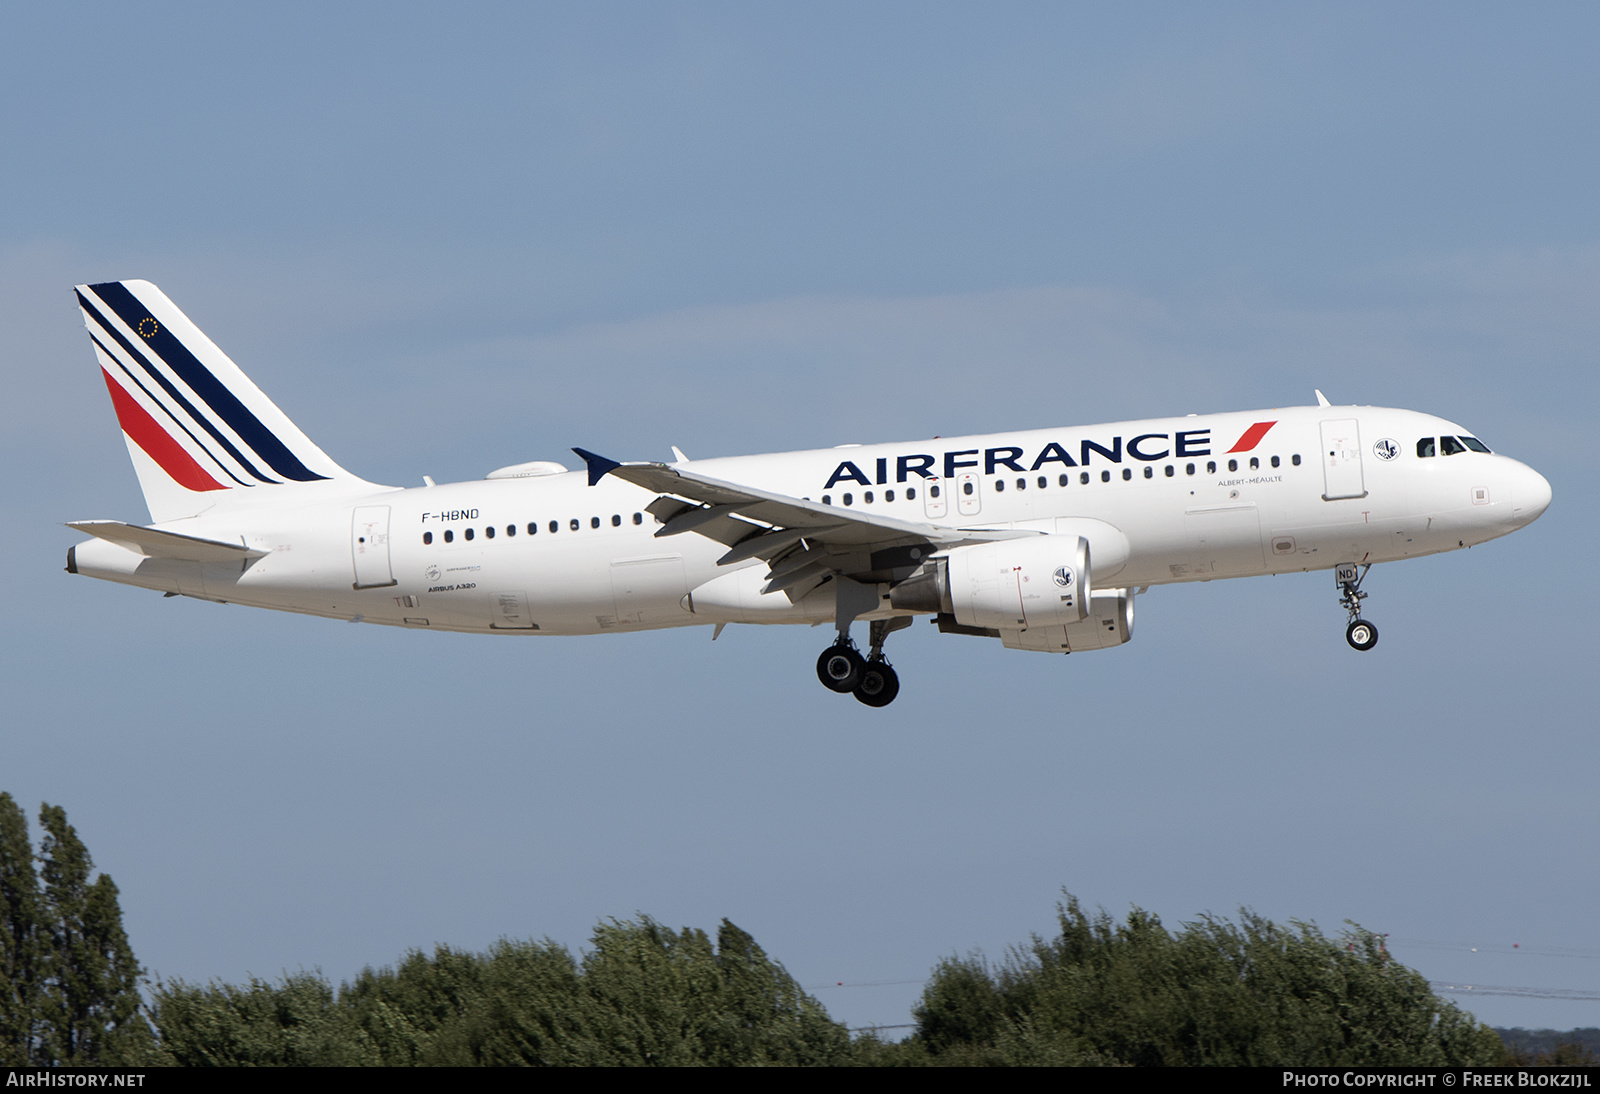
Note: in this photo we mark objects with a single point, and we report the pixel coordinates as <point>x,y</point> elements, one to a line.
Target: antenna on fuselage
<point>1322,400</point>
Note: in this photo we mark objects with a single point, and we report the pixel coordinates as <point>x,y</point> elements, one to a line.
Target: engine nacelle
<point>1110,623</point>
<point>1009,585</point>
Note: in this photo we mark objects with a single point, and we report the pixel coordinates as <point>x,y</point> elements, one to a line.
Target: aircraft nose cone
<point>1531,494</point>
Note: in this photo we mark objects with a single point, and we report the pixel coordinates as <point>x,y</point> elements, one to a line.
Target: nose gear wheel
<point>1361,634</point>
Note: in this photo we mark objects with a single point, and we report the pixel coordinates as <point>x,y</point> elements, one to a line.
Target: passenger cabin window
<point>1211,467</point>
<point>1149,472</point>
<point>449,536</point>
<point>511,529</point>
<point>1083,478</point>
<point>1169,470</point>
<point>427,537</point>
<point>966,488</point>
<point>1105,476</point>
<point>1274,461</point>
<point>999,486</point>
<point>616,520</point>
<point>911,493</point>
<point>1295,459</point>
<point>1127,473</point>
<point>533,529</point>
<point>1065,479</point>
<point>1043,482</point>
<point>574,523</point>
<point>849,499</point>
<point>489,531</point>
<point>866,496</point>
<point>469,535</point>
<point>1449,446</point>
<point>594,522</point>
<point>555,526</point>
<point>1255,464</point>
<point>1425,447</point>
<point>638,518</point>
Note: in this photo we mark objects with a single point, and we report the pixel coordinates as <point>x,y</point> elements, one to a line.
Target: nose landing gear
<point>1361,634</point>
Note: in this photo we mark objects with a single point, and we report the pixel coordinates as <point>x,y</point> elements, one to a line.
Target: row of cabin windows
<point>1450,446</point>
<point>1043,481</point>
<point>575,523</point>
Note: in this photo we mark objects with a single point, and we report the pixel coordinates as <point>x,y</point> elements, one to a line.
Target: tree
<point>20,939</point>
<point>643,995</point>
<point>1251,993</point>
<point>71,983</point>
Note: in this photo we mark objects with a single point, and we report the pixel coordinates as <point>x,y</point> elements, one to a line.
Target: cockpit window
<point>1425,447</point>
<point>1449,446</point>
<point>1474,444</point>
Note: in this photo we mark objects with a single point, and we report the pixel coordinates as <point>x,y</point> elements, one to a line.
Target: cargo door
<point>509,612</point>
<point>1224,540</point>
<point>648,590</point>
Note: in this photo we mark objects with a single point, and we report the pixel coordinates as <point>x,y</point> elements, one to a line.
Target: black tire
<point>839,668</point>
<point>1361,635</point>
<point>879,684</point>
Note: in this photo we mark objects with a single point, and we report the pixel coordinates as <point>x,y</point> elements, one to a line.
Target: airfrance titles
<point>1147,447</point>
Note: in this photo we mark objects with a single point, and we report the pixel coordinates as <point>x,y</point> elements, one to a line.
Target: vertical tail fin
<point>195,425</point>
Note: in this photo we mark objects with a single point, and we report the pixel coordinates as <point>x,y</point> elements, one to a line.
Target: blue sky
<point>448,240</point>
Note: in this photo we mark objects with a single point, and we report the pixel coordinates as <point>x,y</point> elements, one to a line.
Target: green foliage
<point>643,995</point>
<point>1551,1047</point>
<point>71,984</point>
<point>20,941</point>
<point>1252,994</point>
<point>1249,993</point>
<point>262,1025</point>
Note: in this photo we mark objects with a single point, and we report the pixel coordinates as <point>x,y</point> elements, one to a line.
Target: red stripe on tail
<point>156,442</point>
<point>1252,436</point>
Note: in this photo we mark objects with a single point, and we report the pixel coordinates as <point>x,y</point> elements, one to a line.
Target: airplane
<point>1040,538</point>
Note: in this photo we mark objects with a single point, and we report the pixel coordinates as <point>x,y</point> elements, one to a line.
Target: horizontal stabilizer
<point>153,543</point>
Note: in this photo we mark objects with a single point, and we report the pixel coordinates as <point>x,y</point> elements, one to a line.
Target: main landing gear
<point>1360,634</point>
<point>871,679</point>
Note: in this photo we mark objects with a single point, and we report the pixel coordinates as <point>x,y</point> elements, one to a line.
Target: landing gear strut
<point>879,682</point>
<point>1360,634</point>
<point>873,681</point>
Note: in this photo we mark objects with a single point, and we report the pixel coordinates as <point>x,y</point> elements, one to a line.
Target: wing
<point>801,541</point>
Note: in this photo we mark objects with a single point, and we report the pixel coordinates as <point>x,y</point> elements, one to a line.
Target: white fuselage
<point>553,555</point>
